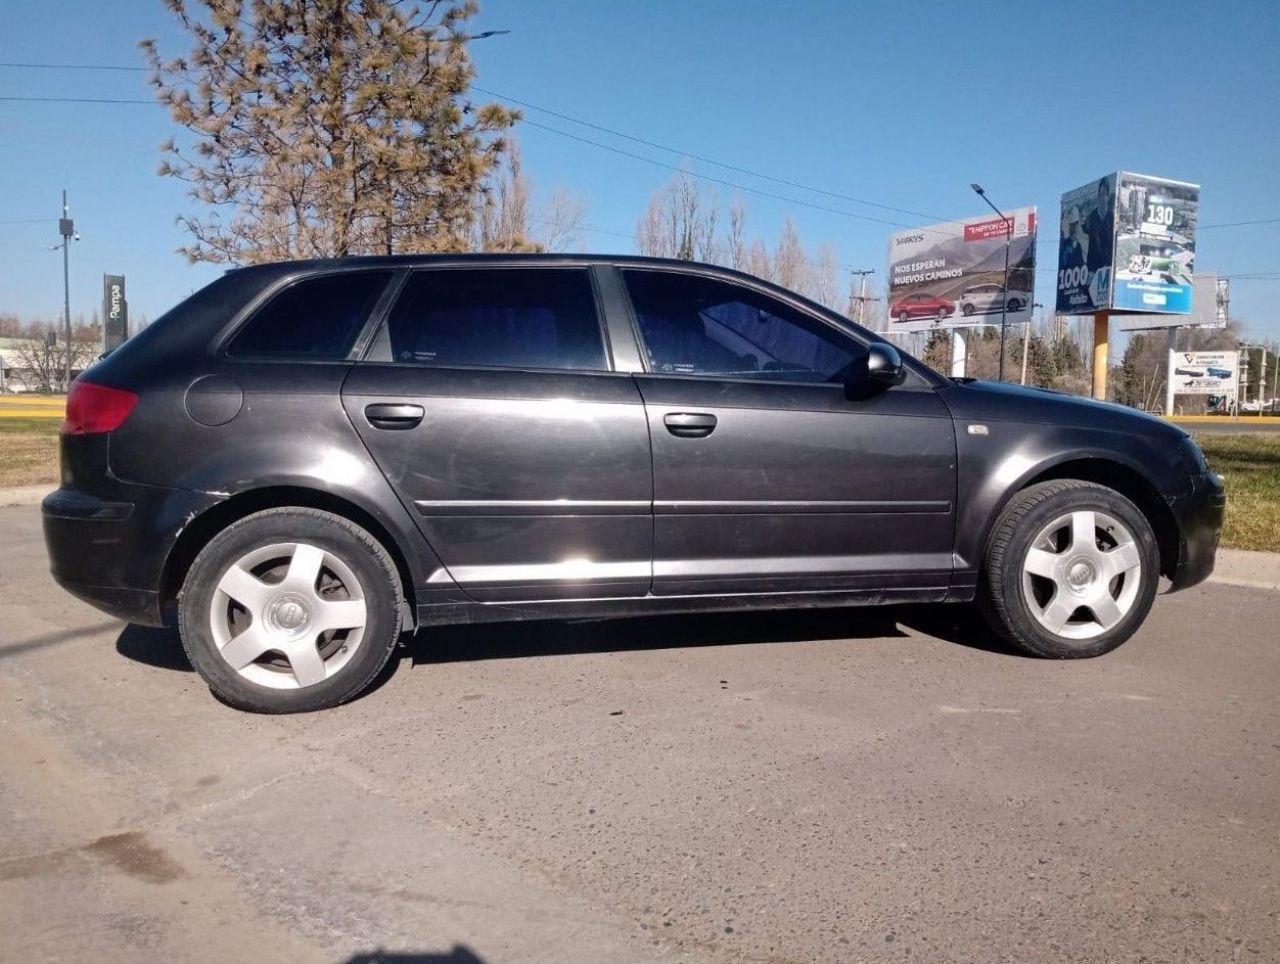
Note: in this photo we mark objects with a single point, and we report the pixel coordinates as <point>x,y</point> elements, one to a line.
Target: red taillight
<point>92,409</point>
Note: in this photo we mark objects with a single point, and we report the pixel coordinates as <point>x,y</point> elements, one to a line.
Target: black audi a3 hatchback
<point>304,461</point>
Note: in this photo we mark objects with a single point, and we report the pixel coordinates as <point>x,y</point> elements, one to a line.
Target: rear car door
<point>489,401</point>
<point>771,472</point>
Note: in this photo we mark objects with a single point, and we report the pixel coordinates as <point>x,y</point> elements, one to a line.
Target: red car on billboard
<point>921,306</point>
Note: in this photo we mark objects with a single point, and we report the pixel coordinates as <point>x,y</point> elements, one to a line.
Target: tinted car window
<point>702,326</point>
<point>312,318</point>
<point>498,318</point>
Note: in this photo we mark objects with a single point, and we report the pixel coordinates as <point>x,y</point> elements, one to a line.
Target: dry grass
<point>29,451</point>
<point>1250,464</point>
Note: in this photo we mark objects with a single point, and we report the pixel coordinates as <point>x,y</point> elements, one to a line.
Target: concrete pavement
<point>847,786</point>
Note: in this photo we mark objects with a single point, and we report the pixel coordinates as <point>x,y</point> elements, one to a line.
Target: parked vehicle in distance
<point>302,461</point>
<point>987,298</point>
<point>912,307</point>
<point>1189,372</point>
<point>1215,372</point>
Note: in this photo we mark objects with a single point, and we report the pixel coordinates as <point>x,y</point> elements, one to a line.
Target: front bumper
<point>1199,517</point>
<point>110,549</point>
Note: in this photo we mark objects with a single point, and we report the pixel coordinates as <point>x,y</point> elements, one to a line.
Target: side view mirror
<point>884,366</point>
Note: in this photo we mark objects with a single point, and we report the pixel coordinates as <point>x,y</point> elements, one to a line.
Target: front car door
<point>489,401</point>
<point>770,473</point>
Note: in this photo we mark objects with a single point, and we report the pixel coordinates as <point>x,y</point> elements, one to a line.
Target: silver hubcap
<point>1082,574</point>
<point>288,615</point>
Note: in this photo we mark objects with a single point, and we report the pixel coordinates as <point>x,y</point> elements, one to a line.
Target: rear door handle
<point>689,424</point>
<point>394,416</point>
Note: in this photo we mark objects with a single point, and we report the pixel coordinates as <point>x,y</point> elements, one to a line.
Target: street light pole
<point>1004,299</point>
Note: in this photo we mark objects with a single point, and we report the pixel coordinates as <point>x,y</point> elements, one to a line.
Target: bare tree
<point>824,277</point>
<point>502,223</point>
<point>736,242</point>
<point>327,127</point>
<point>40,357</point>
<point>680,222</point>
<point>562,219</point>
<point>790,264</point>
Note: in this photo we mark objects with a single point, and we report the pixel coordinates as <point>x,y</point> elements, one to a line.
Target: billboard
<point>1210,302</point>
<point>1155,246</point>
<point>951,275</point>
<point>115,312</point>
<point>1204,372</point>
<point>1127,242</point>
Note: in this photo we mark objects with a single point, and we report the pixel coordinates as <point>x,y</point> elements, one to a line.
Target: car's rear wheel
<point>290,610</point>
<point>942,314</point>
<point>1071,570</point>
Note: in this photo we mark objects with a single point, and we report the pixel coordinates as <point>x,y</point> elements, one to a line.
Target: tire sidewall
<point>1016,618</point>
<point>379,586</point>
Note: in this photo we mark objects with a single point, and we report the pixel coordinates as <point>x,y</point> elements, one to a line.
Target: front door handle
<point>394,416</point>
<point>689,424</point>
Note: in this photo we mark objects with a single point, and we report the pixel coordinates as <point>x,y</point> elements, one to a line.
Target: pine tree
<point>322,128</point>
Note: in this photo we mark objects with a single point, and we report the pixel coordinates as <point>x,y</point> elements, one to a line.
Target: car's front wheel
<point>903,317</point>
<point>290,610</point>
<point>1071,570</point>
<point>967,309</point>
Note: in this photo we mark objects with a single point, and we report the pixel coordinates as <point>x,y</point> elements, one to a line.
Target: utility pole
<point>861,297</point>
<point>67,229</point>
<point>1262,380</point>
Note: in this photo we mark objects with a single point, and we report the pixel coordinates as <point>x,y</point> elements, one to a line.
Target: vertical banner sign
<point>1155,244</point>
<point>1086,246</point>
<point>952,275</point>
<point>1127,243</point>
<point>115,312</point>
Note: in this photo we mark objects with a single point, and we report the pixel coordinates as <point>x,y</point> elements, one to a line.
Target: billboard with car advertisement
<point>952,275</point>
<point>1127,243</point>
<point>1204,372</point>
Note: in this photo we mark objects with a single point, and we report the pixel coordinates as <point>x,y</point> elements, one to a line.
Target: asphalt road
<point>850,786</point>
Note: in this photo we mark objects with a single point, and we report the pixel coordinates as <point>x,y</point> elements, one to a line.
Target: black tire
<point>1013,305</point>
<point>903,317</point>
<point>967,310</point>
<point>1002,597</point>
<point>360,552</point>
<point>942,314</point>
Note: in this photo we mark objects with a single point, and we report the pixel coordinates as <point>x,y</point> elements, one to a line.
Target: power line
<point>613,132</point>
<point>72,66</point>
<point>81,100</point>
<point>704,159</point>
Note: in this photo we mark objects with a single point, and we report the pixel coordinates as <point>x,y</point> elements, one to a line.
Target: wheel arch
<point>1129,482</point>
<point>197,533</point>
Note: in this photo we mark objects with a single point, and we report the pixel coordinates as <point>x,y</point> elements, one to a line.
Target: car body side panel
<point>800,487</point>
<point>289,429</point>
<point>1007,436</point>
<point>529,485</point>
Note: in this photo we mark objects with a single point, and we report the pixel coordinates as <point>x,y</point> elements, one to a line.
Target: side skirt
<point>456,613</point>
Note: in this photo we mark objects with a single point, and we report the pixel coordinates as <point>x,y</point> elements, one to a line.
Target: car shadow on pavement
<point>957,624</point>
<point>460,954</point>
<point>447,644</point>
<point>161,648</point>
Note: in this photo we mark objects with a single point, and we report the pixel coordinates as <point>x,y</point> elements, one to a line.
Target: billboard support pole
<point>1101,342</point>
<point>959,355</point>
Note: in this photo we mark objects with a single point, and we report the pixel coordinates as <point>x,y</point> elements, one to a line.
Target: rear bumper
<point>1199,517</point>
<point>110,549</point>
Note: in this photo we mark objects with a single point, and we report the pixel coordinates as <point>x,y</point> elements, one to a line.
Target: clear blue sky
<point>901,104</point>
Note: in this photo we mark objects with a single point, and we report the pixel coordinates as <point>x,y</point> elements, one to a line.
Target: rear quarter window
<point>316,318</point>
